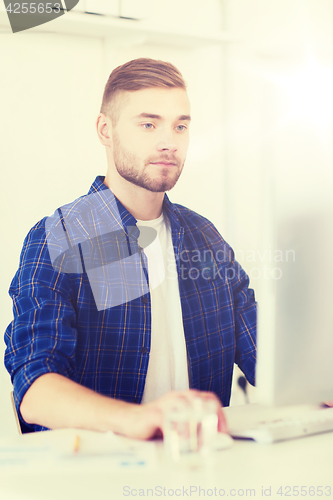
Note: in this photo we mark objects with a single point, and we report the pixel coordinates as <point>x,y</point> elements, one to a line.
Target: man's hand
<point>146,421</point>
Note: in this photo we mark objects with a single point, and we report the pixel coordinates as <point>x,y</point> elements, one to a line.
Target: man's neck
<point>141,203</point>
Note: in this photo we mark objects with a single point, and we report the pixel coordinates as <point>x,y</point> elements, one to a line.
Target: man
<point>122,297</point>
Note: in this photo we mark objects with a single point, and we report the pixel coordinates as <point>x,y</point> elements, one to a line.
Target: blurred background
<point>260,79</point>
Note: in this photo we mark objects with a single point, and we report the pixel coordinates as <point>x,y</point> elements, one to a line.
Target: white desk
<point>246,466</point>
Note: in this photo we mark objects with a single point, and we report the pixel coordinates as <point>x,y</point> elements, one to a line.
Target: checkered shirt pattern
<point>65,321</point>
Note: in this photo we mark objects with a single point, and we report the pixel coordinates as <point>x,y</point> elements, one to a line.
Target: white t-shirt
<point>167,369</point>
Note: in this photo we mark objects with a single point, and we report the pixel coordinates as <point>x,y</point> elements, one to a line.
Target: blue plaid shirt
<point>82,303</point>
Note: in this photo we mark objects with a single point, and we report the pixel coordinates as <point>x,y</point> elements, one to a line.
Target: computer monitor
<point>295,318</point>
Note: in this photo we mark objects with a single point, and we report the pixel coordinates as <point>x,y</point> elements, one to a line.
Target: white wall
<point>279,117</point>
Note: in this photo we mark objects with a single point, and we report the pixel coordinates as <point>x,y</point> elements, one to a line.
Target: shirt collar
<point>171,211</point>
<point>109,203</point>
<point>127,219</point>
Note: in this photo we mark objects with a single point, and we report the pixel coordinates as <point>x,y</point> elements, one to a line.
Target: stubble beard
<point>127,165</point>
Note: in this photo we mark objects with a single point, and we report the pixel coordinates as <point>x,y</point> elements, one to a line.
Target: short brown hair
<point>139,74</point>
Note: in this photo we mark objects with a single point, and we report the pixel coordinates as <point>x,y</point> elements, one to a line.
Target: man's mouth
<point>164,163</point>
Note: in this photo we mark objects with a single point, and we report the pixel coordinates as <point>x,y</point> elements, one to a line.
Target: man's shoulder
<point>36,233</point>
<point>192,221</point>
<point>189,214</point>
<point>51,237</point>
<point>94,199</point>
<point>71,209</point>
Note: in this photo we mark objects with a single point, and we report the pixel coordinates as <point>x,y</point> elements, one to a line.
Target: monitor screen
<point>295,318</point>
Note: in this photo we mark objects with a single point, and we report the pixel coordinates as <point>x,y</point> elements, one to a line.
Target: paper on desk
<point>71,448</point>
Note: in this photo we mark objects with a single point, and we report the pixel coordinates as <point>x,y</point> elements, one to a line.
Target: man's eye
<point>147,126</point>
<point>181,128</point>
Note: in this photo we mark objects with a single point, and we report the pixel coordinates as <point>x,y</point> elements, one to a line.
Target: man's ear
<point>104,129</point>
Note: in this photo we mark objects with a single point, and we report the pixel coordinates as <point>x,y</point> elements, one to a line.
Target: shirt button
<point>134,400</point>
<point>144,349</point>
<point>145,300</point>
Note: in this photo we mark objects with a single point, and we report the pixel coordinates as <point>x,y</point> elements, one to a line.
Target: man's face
<point>151,137</point>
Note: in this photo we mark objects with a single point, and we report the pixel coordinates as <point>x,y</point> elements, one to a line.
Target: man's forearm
<point>55,401</point>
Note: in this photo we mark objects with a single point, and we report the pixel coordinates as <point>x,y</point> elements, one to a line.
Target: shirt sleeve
<point>42,337</point>
<point>245,311</point>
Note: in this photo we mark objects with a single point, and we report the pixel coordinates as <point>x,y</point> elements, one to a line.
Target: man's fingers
<point>190,399</point>
<point>153,413</point>
<point>222,422</point>
<point>209,396</point>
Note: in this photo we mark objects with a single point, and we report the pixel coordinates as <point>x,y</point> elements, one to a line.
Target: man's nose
<point>167,143</point>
